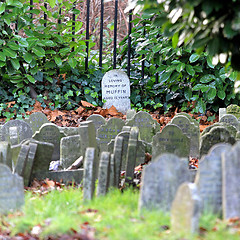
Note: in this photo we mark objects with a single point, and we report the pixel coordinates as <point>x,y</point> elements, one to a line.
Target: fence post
<point>87,34</point>
<point>101,35</point>
<point>115,36</point>
<point>73,24</point>
<point>129,42</point>
<point>45,15</point>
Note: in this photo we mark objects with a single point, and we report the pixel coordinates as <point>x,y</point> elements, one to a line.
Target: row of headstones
<point>166,185</point>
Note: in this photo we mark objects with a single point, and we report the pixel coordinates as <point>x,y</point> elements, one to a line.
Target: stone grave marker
<point>103,174</point>
<point>24,130</point>
<point>22,160</point>
<point>192,120</point>
<point>117,153</point>
<point>209,179</point>
<point>36,120</point>
<point>98,120</point>
<point>232,130</point>
<point>13,135</point>
<point>131,155</point>
<point>231,186</point>
<point>50,133</point>
<point>230,119</point>
<point>171,140</point>
<point>185,211</point>
<point>11,190</point>
<point>130,114</point>
<point>6,154</point>
<point>69,131</point>
<point>109,131</point>
<point>234,109</point>
<point>214,136</point>
<point>222,112</point>
<point>146,125</point>
<point>116,90</point>
<point>191,130</point>
<point>70,150</point>
<point>112,177</point>
<point>88,175</point>
<point>160,181</point>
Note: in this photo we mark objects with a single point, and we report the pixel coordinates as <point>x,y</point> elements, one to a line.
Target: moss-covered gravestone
<point>234,110</point>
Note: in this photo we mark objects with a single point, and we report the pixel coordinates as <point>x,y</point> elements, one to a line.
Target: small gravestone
<point>22,160</point>
<point>11,190</point>
<point>23,128</point>
<point>146,125</point>
<point>103,174</point>
<point>98,120</point>
<point>117,152</point>
<point>88,175</point>
<point>116,90</point>
<point>130,114</point>
<point>69,131</point>
<point>131,155</point>
<point>230,119</point>
<point>36,120</point>
<point>160,181</point>
<point>70,150</point>
<point>13,135</point>
<point>185,211</point>
<point>191,130</point>
<point>50,133</point>
<point>231,179</point>
<point>192,120</point>
<point>109,131</point>
<point>234,110</point>
<point>171,140</point>
<point>209,178</point>
<point>112,176</point>
<point>222,112</point>
<point>6,154</point>
<point>214,136</point>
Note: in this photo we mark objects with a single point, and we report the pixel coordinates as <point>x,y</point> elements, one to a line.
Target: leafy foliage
<point>184,78</point>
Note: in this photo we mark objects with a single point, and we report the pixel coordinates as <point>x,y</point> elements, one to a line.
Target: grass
<point>114,216</point>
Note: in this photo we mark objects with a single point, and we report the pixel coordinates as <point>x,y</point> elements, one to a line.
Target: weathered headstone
<point>98,120</point>
<point>191,130</point>
<point>146,125</point>
<point>131,155</point>
<point>22,160</point>
<point>234,109</point>
<point>88,175</point>
<point>171,140</point>
<point>130,114</point>
<point>69,131</point>
<point>209,178</point>
<point>50,133</point>
<point>116,90</point>
<point>103,174</point>
<point>70,150</point>
<point>231,179</point>
<point>112,177</point>
<point>192,120</point>
<point>109,131</point>
<point>160,181</point>
<point>11,190</point>
<point>24,130</point>
<point>185,211</point>
<point>13,135</point>
<point>6,154</point>
<point>36,120</point>
<point>117,152</point>
<point>214,136</point>
<point>230,119</point>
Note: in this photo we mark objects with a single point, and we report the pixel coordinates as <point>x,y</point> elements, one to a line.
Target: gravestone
<point>185,211</point>
<point>222,112</point>
<point>160,181</point>
<point>209,179</point>
<point>70,150</point>
<point>116,90</point>
<point>191,130</point>
<point>6,154</point>
<point>171,140</point>
<point>24,130</point>
<point>88,175</point>
<point>214,136</point>
<point>192,120</point>
<point>231,179</point>
<point>13,135</point>
<point>36,120</point>
<point>130,114</point>
<point>234,110</point>
<point>22,160</point>
<point>230,119</point>
<point>98,120</point>
<point>131,155</point>
<point>11,190</point>
<point>103,174</point>
<point>112,176</point>
<point>109,131</point>
<point>50,133</point>
<point>146,125</point>
<point>69,131</point>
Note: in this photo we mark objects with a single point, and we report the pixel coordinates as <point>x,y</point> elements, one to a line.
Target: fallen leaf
<point>86,104</point>
<point>10,104</point>
<point>113,111</point>
<point>80,110</point>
